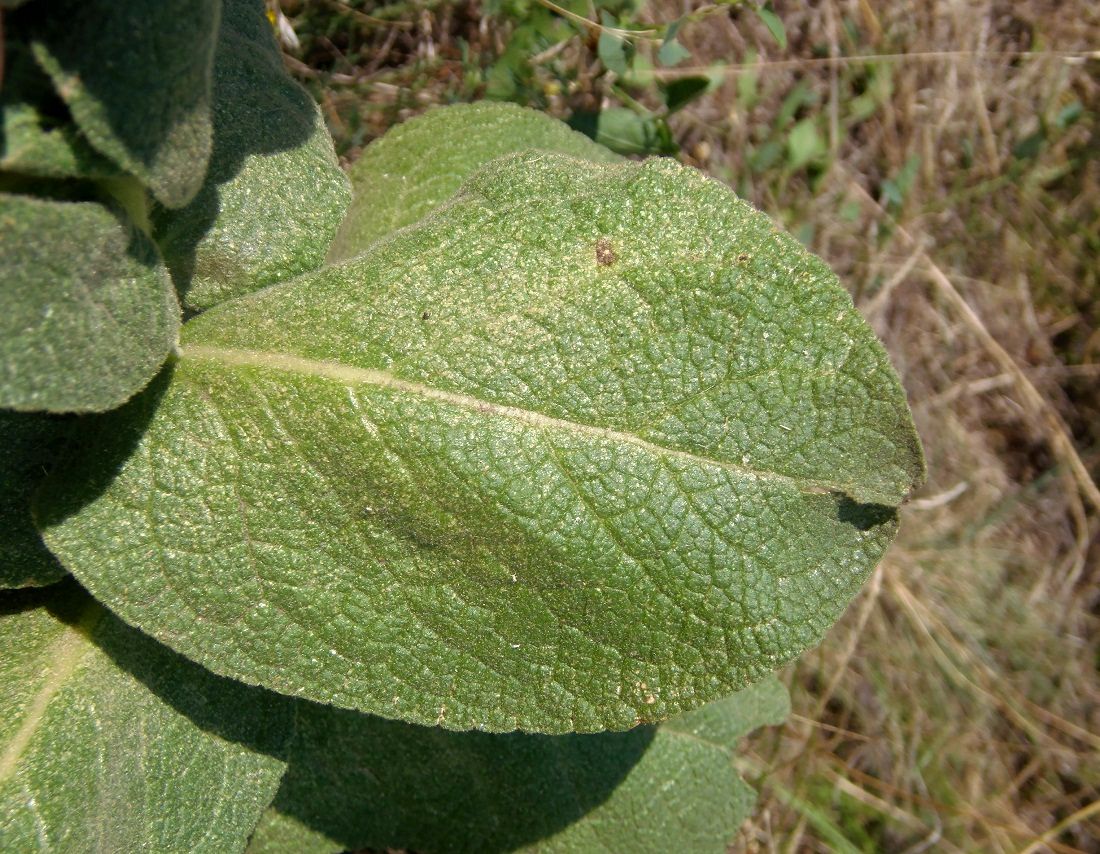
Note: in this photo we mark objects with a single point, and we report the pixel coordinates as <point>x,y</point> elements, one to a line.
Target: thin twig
<point>363,17</point>
<point>1057,431</point>
<point>841,668</point>
<point>1066,823</point>
<point>593,25</point>
<point>918,56</point>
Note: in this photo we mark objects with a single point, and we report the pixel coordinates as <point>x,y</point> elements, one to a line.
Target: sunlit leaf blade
<point>274,195</point>
<point>136,76</point>
<point>29,444</point>
<point>420,164</point>
<point>358,781</point>
<point>109,742</point>
<point>590,446</point>
<point>87,311</point>
<point>37,136</point>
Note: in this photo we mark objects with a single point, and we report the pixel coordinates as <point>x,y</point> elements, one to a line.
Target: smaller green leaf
<point>358,781</point>
<point>274,195</point>
<point>110,743</point>
<point>747,82</point>
<point>626,132</point>
<point>87,311</point>
<point>672,53</point>
<point>1069,115</point>
<point>420,164</point>
<point>800,96</point>
<point>136,77</point>
<point>614,51</point>
<point>804,144</point>
<point>1030,146</point>
<point>29,443</point>
<point>682,91</point>
<point>894,190</point>
<point>774,24</point>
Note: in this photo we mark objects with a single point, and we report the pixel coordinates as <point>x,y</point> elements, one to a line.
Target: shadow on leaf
<point>257,110</point>
<point>363,781</point>
<point>259,719</point>
<point>864,517</point>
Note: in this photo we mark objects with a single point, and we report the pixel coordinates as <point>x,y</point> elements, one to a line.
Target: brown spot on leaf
<point>605,255</point>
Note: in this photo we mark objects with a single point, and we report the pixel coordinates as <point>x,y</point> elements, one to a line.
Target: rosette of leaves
<point>558,443</point>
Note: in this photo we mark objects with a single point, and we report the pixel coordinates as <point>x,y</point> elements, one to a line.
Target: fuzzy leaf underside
<point>87,311</point>
<point>356,782</point>
<point>274,195</point>
<point>590,446</point>
<point>421,163</point>
<point>109,742</point>
<point>29,444</point>
<point>140,90</point>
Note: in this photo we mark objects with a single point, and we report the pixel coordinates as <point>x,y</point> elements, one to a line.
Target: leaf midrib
<point>351,376</point>
<point>63,656</point>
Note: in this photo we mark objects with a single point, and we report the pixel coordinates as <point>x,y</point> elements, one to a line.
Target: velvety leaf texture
<point>109,742</point>
<point>37,136</point>
<point>275,194</point>
<point>156,125</point>
<point>357,781</point>
<point>590,446</point>
<point>420,164</point>
<point>29,444</point>
<point>87,310</point>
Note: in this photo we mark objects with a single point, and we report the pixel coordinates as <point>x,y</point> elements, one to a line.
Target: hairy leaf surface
<point>29,444</point>
<point>357,781</point>
<point>140,90</point>
<point>37,136</point>
<point>87,311</point>
<point>420,164</point>
<point>590,446</point>
<point>274,195</point>
<point>109,742</point>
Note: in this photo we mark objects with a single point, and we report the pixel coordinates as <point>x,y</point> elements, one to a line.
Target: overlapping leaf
<point>362,782</point>
<point>139,90</point>
<point>29,444</point>
<point>590,446</point>
<point>109,742</point>
<point>87,310</point>
<point>274,195</point>
<point>420,164</point>
<point>37,136</point>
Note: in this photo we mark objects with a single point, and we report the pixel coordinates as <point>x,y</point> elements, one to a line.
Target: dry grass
<point>957,705</point>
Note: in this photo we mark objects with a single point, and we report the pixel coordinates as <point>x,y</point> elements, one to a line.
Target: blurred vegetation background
<point>944,157</point>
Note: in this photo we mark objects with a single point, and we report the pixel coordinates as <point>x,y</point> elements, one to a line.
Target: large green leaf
<point>356,781</point>
<point>420,164</point>
<point>275,194</point>
<point>136,76</point>
<point>29,444</point>
<point>87,311</point>
<point>37,135</point>
<point>109,742</point>
<point>590,446</point>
